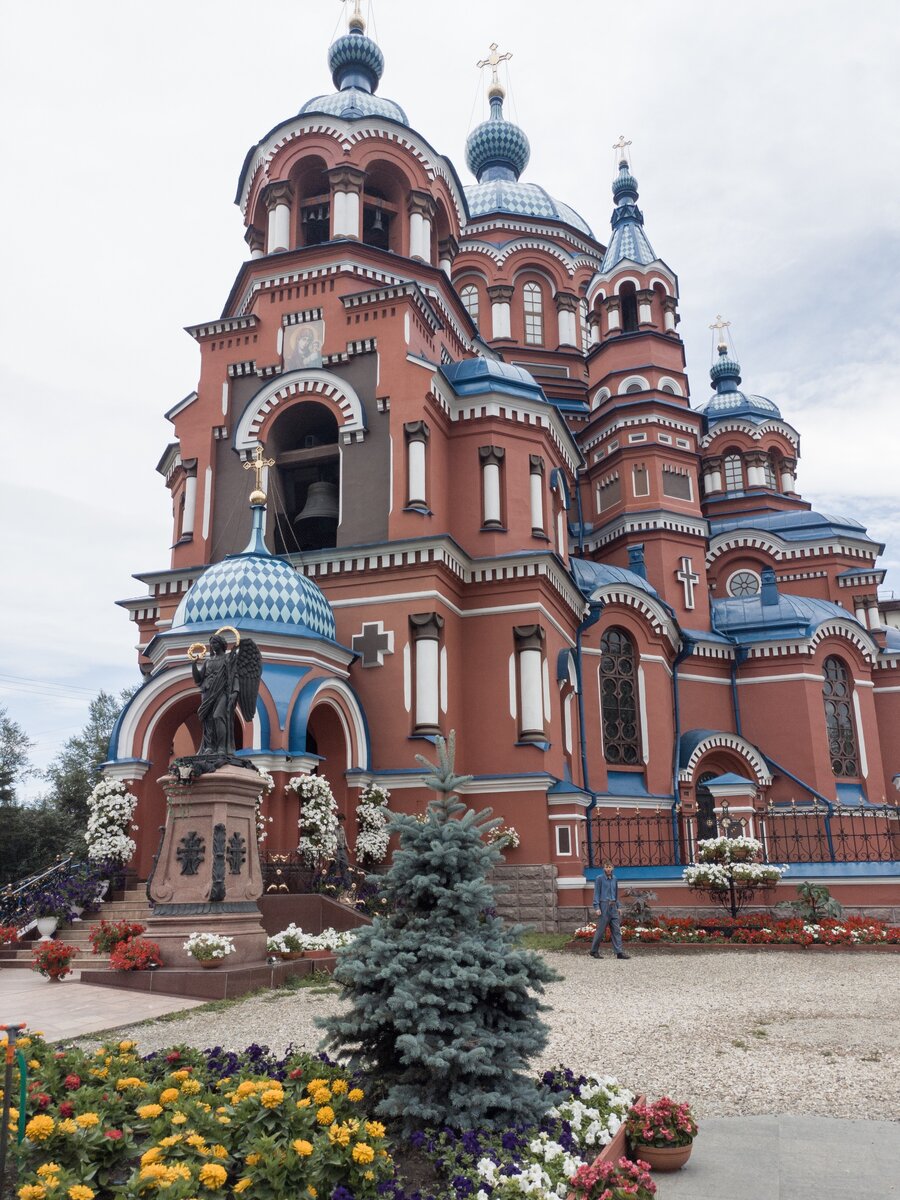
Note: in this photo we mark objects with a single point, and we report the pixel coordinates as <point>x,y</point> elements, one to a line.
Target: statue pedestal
<point>207,878</point>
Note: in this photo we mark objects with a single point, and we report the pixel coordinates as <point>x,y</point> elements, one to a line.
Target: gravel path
<point>734,1034</point>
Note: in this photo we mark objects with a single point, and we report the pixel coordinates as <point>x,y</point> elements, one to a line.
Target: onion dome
<point>728,401</point>
<point>256,592</point>
<point>356,64</point>
<point>497,149</point>
<point>628,241</point>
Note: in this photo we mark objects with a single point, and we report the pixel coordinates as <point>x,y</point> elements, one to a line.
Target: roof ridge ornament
<point>493,61</point>
<point>355,21</point>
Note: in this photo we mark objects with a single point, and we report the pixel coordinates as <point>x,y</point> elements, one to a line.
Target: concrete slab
<point>70,1009</point>
<point>788,1158</point>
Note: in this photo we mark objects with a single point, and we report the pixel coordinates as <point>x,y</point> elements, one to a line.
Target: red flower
<point>66,1109</point>
<point>72,1083</point>
<point>173,1057</point>
<point>297,1073</point>
<point>113,1134</point>
<point>43,1101</point>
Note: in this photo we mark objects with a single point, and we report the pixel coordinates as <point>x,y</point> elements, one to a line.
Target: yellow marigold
<point>33,1065</point>
<point>39,1128</point>
<point>169,1095</point>
<point>179,1119</point>
<point>195,1139</point>
<point>243,1184</point>
<point>212,1176</point>
<point>339,1086</point>
<point>99,1072</point>
<point>126,1046</point>
<point>128,1083</point>
<point>50,1168</point>
<point>23,1043</point>
<point>79,1191</point>
<point>362,1153</point>
<point>179,1075</point>
<point>152,1170</point>
<point>311,1191</point>
<point>224,1120</point>
<point>355,1094</point>
<point>322,1095</point>
<point>67,1125</point>
<point>32,1191</point>
<point>191,1087</point>
<point>301,1147</point>
<point>148,1111</point>
<point>154,1154</point>
<point>252,1159</point>
<point>246,1088</point>
<point>375,1129</point>
<point>325,1115</point>
<point>218,1151</point>
<point>339,1135</point>
<point>315,1084</point>
<point>177,1171</point>
<point>368,1175</point>
<point>172,1140</point>
<point>206,1107</point>
<point>271,1098</point>
<point>304,1103</point>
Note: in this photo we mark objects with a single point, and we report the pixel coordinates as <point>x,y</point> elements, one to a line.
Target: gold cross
<point>493,60</point>
<point>721,325</point>
<point>621,146</point>
<point>257,463</point>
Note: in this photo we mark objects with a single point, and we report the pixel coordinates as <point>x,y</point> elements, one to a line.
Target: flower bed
<point>106,936</point>
<point>294,940</point>
<point>192,1123</point>
<point>757,931</point>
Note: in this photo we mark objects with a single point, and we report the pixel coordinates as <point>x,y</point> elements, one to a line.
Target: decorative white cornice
<point>756,432</point>
<point>650,418</point>
<point>645,523</point>
<point>307,381</point>
<point>226,325</point>
<point>728,741</point>
<point>401,291</point>
<point>782,551</point>
<point>481,225</point>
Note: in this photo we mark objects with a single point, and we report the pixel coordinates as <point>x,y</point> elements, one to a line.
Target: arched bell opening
<point>305,498</point>
<point>384,195</point>
<point>313,203</point>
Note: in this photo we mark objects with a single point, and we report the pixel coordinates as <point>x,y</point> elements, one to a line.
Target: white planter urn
<point>47,927</point>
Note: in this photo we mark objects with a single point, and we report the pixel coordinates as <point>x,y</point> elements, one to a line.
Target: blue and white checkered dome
<point>257,593</point>
<point>356,64</point>
<point>728,401</point>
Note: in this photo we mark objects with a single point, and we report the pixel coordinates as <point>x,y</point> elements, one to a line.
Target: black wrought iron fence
<point>633,838</point>
<point>864,833</point>
<point>287,874</point>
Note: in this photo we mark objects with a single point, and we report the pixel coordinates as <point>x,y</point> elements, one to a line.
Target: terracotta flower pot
<point>291,955</point>
<point>664,1158</point>
<point>318,953</point>
<point>209,963</point>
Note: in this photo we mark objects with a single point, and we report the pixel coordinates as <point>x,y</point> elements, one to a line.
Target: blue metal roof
<point>691,739</point>
<point>740,404</point>
<point>592,575</point>
<point>729,779</point>
<point>522,200</point>
<point>793,525</point>
<point>477,376</point>
<point>352,103</point>
<point>748,619</point>
<point>628,241</point>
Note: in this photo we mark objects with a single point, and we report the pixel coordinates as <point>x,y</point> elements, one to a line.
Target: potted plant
<point>52,959</point>
<point>106,936</point>
<point>605,1180</point>
<point>209,949</point>
<point>49,907</point>
<point>289,944</point>
<point>135,954</point>
<point>662,1134</point>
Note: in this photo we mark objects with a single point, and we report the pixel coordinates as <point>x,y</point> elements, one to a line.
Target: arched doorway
<point>707,826</point>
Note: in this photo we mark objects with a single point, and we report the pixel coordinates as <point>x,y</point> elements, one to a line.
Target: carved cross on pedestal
<point>689,578</point>
<point>191,852</point>
<point>373,643</point>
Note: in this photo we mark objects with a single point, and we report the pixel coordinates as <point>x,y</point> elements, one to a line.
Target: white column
<point>190,505</point>
<point>562,320</point>
<point>500,323</point>
<point>491,458</point>
<point>595,332</point>
<point>353,212</point>
<point>669,320</point>
<point>874,615</point>
<point>339,213</point>
<point>426,629</point>
<point>644,314</point>
<point>788,481</point>
<point>561,533</point>
<point>613,317</point>
<point>529,647</point>
<point>859,609</point>
<point>279,226</point>
<point>756,476</point>
<point>416,437</point>
<point>425,235</point>
<point>415,235</point>
<point>537,493</point>
<point>446,265</point>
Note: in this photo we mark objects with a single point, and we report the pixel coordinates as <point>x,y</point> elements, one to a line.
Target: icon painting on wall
<point>303,345</point>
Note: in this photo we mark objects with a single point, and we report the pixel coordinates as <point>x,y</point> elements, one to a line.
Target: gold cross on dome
<point>257,464</point>
<point>622,146</point>
<point>493,61</point>
<point>721,325</point>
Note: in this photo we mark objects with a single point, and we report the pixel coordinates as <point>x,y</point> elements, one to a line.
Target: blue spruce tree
<point>444,999</point>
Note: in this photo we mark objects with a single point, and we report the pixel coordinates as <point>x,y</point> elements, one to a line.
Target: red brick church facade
<point>485,458</point>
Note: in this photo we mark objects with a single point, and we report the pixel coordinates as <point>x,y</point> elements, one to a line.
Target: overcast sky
<point>765,142</point>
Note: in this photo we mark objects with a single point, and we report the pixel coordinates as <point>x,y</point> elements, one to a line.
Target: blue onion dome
<point>256,592</point>
<point>624,185</point>
<point>356,64</point>
<point>728,401</point>
<point>628,241</point>
<point>497,149</point>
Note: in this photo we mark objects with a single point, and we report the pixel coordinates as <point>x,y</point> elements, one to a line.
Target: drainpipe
<point>594,610</point>
<point>580,513</point>
<point>741,654</point>
<point>687,649</point>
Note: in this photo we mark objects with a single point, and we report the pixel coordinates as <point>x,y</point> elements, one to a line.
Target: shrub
<point>108,934</point>
<point>136,954</point>
<point>664,1123</point>
<point>51,959</point>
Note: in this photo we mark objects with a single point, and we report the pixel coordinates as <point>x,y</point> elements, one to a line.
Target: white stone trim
<point>307,383</point>
<point>729,741</point>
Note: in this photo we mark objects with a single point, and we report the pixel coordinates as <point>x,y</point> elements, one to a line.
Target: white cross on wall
<point>689,577</point>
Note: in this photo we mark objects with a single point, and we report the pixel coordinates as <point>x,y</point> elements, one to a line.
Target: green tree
<point>15,757</point>
<point>76,769</point>
<point>444,998</point>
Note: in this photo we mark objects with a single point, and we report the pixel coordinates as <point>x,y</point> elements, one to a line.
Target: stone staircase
<point>132,906</point>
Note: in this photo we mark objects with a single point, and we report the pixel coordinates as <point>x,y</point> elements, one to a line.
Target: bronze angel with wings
<point>227,680</point>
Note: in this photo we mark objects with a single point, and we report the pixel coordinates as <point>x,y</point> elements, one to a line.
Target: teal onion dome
<point>355,61</point>
<point>624,185</point>
<point>729,401</point>
<point>725,374</point>
<point>497,149</point>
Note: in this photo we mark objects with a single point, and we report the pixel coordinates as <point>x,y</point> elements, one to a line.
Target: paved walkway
<point>788,1158</point>
<point>70,1009</point>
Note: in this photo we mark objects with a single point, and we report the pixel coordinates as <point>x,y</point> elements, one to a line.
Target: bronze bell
<point>316,524</point>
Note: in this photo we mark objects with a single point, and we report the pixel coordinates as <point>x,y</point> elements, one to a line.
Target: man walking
<point>606,910</point>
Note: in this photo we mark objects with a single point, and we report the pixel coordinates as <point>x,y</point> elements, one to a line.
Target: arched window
<point>585,327</point>
<point>534,314</point>
<point>837,695</point>
<point>628,301</point>
<point>769,473</point>
<point>734,473</point>
<point>469,297</point>
<point>618,698</point>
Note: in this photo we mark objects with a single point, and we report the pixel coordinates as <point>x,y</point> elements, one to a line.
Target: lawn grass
<point>546,941</point>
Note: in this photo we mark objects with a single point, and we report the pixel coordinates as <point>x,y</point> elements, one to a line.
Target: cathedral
<point>444,466</point>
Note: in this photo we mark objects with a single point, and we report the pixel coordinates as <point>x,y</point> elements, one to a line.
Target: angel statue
<point>226,680</point>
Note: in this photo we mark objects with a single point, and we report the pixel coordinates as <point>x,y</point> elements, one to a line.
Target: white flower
<point>110,812</point>
<point>318,818</point>
<point>372,818</point>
